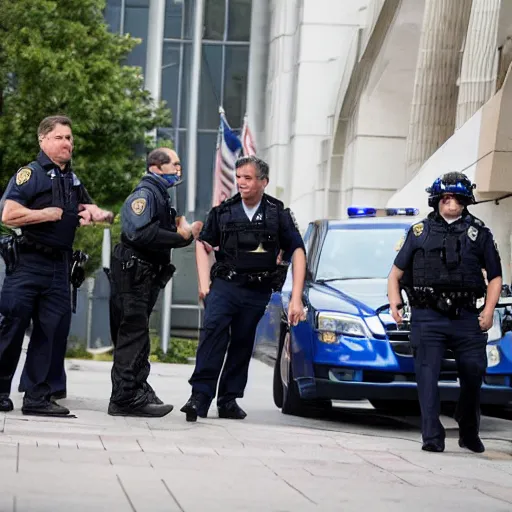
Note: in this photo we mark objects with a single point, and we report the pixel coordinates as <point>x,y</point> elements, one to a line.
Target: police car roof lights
<point>356,211</point>
<point>366,211</point>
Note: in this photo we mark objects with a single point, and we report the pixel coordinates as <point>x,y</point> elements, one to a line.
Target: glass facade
<point>223,80</point>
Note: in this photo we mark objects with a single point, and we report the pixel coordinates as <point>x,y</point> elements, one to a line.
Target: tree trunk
<point>434,103</point>
<point>479,63</point>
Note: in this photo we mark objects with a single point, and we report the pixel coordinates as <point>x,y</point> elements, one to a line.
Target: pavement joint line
<point>126,494</point>
<point>17,457</point>
<point>14,507</point>
<point>298,490</point>
<point>102,444</point>
<point>178,504</point>
<point>408,461</point>
<point>140,446</point>
<point>492,497</point>
<point>385,470</point>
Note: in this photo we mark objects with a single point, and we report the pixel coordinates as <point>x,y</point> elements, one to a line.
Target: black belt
<point>44,250</point>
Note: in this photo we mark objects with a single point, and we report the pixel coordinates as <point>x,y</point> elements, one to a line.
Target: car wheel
<point>277,387</point>
<point>292,403</point>
<point>397,407</point>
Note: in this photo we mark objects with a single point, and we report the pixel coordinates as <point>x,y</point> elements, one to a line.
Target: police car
<point>349,347</point>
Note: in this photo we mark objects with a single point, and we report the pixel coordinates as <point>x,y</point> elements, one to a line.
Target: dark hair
<point>49,123</point>
<point>261,166</point>
<point>158,157</point>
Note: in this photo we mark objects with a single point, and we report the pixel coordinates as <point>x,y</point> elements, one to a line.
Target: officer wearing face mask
<point>440,268</point>
<point>140,268</point>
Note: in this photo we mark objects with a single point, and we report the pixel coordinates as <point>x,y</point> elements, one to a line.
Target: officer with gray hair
<point>249,230</point>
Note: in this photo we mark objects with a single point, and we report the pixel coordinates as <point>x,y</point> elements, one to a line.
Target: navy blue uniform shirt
<point>33,186</point>
<point>491,261</point>
<point>289,234</point>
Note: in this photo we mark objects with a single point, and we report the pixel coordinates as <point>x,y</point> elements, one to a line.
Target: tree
<point>57,57</point>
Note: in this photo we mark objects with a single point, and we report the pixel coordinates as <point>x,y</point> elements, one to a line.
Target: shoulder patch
<point>138,205</point>
<point>23,175</point>
<point>400,243</point>
<point>417,229</point>
<point>274,201</point>
<point>472,233</point>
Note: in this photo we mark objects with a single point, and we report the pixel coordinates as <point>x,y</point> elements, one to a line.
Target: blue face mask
<point>172,179</point>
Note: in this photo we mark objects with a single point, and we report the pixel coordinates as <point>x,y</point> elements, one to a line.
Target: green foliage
<point>180,350</point>
<point>57,57</point>
<point>90,240</point>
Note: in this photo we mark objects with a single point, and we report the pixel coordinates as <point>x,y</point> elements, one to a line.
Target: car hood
<point>353,296</point>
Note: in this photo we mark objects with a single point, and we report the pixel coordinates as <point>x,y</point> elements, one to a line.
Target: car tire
<point>277,388</point>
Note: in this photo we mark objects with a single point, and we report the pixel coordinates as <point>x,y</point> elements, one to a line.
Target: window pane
<point>189,9</point>
<point>113,15</point>
<point>239,22</point>
<point>173,17</point>
<point>209,91</point>
<point>136,24</point>
<point>235,88</point>
<point>185,85</point>
<point>214,14</point>
<point>170,75</point>
<point>206,143</point>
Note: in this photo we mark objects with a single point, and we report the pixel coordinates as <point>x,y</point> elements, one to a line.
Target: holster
<point>77,274</point>
<point>9,250</point>
<point>445,302</point>
<point>165,274</point>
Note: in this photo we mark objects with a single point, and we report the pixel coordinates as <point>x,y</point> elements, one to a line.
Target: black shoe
<point>44,408</point>
<point>433,447</point>
<point>152,398</point>
<point>59,395</point>
<point>231,410</point>
<point>150,410</point>
<point>472,443</point>
<point>197,405</point>
<point>6,404</point>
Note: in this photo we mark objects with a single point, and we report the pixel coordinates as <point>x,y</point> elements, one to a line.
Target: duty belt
<point>26,245</point>
<point>450,302</point>
<point>273,279</point>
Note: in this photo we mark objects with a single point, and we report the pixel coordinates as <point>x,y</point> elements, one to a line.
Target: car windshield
<point>359,253</point>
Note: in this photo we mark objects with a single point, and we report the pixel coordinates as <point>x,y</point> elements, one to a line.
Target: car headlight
<point>339,323</point>
<point>493,356</point>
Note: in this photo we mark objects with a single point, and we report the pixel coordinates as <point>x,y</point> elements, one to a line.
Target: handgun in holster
<point>9,251</point>
<point>165,274</point>
<point>77,275</point>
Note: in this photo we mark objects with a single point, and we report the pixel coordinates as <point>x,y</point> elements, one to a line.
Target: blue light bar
<point>402,211</point>
<point>355,211</point>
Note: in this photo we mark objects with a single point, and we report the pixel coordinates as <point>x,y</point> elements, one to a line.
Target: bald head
<point>164,161</point>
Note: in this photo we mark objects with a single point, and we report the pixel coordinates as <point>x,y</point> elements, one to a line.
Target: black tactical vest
<point>62,190</point>
<point>165,214</point>
<point>249,246</point>
<point>450,257</point>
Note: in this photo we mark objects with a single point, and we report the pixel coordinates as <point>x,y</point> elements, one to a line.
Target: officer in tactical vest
<point>440,268</point>
<point>47,202</point>
<point>140,268</point>
<point>249,231</point>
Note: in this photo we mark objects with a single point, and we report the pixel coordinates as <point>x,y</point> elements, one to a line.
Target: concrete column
<point>479,62</point>
<point>153,74</point>
<point>257,75</point>
<point>194,106</point>
<point>434,103</point>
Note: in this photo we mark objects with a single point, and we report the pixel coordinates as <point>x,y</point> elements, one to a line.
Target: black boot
<point>6,404</point>
<point>59,395</point>
<point>152,397</point>
<point>43,408</point>
<point>231,410</point>
<point>433,447</point>
<point>197,405</point>
<point>473,443</point>
<point>150,410</point>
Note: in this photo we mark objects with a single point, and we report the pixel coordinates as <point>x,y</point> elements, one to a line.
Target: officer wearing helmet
<point>440,267</point>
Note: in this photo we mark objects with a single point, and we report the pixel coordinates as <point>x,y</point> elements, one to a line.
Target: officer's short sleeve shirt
<point>491,256</point>
<point>404,257</point>
<point>211,229</point>
<point>24,186</point>
<point>289,234</point>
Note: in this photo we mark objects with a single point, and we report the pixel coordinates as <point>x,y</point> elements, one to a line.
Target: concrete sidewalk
<point>353,461</point>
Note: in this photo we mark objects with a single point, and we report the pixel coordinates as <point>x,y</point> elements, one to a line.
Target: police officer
<point>46,200</point>
<point>249,230</point>
<point>440,268</point>
<point>140,267</point>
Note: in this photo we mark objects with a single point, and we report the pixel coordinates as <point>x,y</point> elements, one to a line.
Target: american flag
<point>248,145</point>
<point>228,150</point>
